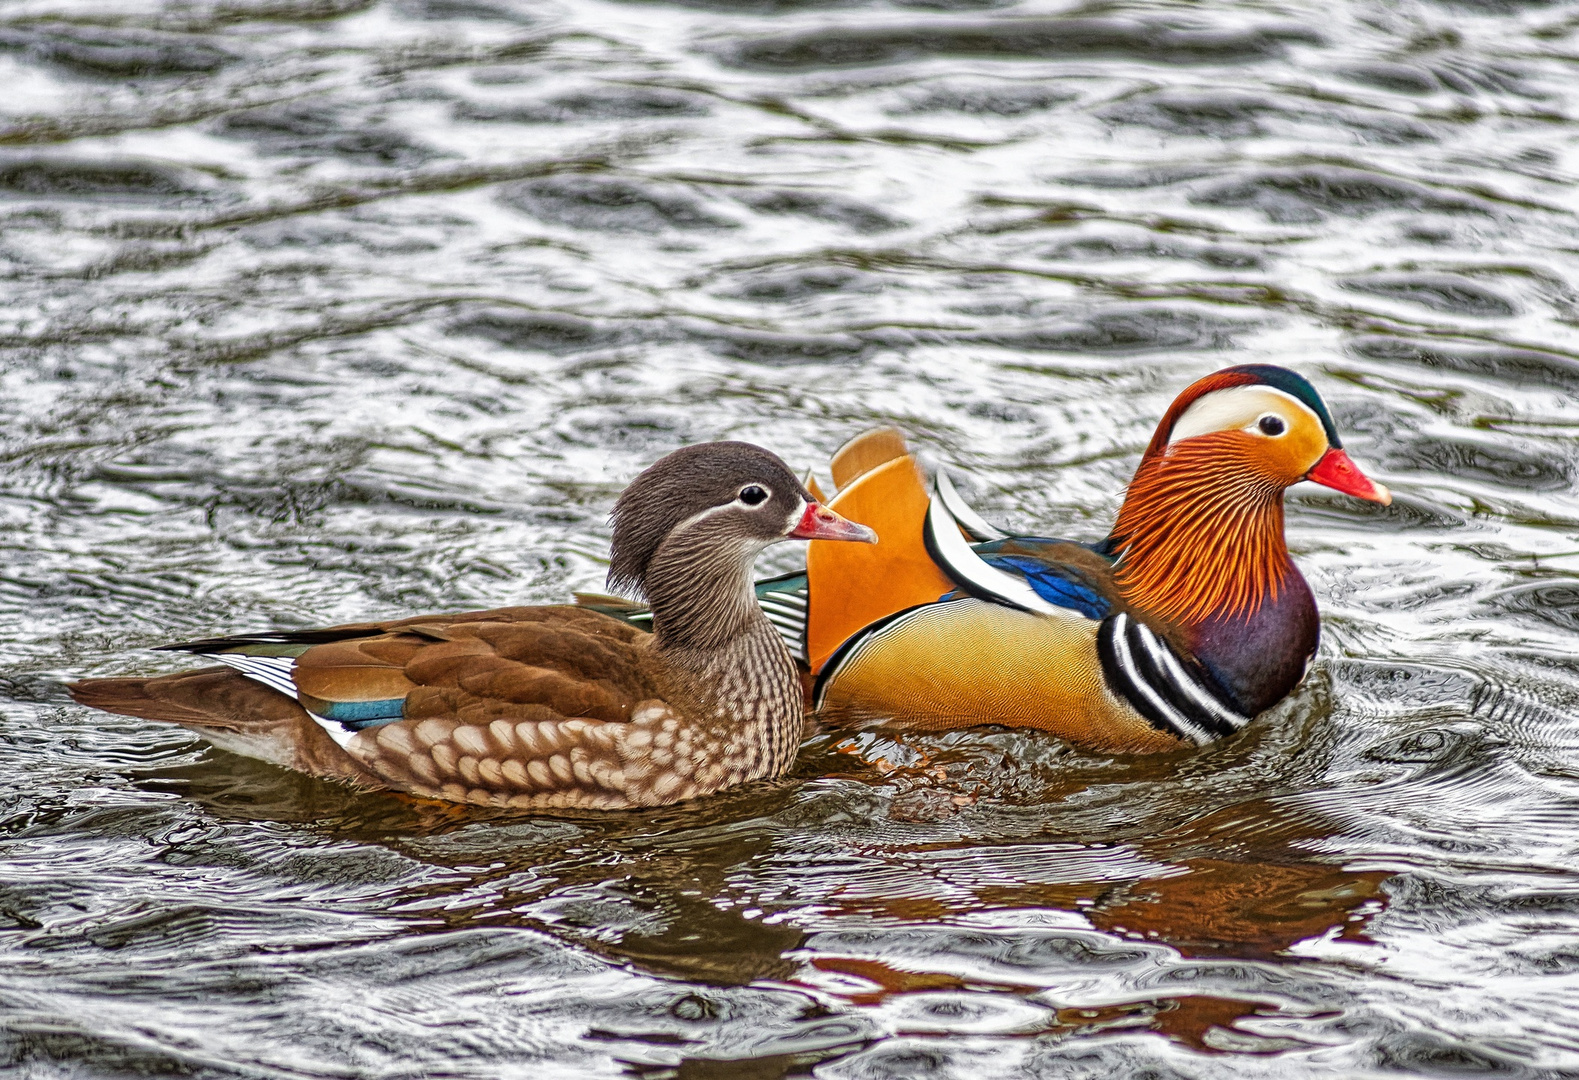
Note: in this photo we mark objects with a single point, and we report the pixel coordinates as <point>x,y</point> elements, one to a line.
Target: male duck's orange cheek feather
<point>1201,528</point>
<point>1289,458</point>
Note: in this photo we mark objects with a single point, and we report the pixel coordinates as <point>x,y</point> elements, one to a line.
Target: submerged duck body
<point>1181,626</point>
<point>540,707</point>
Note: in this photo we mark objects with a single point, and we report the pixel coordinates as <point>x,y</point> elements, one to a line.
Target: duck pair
<point>1181,626</point>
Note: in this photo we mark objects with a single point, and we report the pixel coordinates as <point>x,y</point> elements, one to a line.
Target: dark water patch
<point>1120,331</point>
<point>1306,195</point>
<point>1439,292</point>
<point>613,103</point>
<point>1388,75</point>
<point>821,206</point>
<point>1438,746</point>
<point>108,179</point>
<point>1495,7</point>
<point>1488,461</point>
<point>1554,602</point>
<point>1432,1054</point>
<point>559,333</point>
<point>70,1042</point>
<point>1507,364</point>
<point>764,7</point>
<point>1498,78</point>
<point>985,99</point>
<point>445,10</point>
<point>1157,41</point>
<point>118,53</point>
<point>613,204</point>
<point>1220,114</point>
<point>310,130</point>
<point>556,334</point>
<point>1411,684</point>
<point>788,349</point>
<point>1086,249</point>
<point>786,285</point>
<point>1147,176</point>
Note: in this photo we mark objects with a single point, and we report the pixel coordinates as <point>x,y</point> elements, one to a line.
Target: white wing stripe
<point>275,673</point>
<point>980,577</point>
<point>272,671</point>
<point>337,731</point>
<point>957,508</point>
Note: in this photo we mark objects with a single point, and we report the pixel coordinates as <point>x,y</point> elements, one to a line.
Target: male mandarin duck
<point>1181,626</point>
<point>541,706</point>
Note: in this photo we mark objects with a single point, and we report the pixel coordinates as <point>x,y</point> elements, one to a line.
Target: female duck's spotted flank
<point>541,706</point>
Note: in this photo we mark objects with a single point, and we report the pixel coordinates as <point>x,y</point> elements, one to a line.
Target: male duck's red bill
<point>1336,471</point>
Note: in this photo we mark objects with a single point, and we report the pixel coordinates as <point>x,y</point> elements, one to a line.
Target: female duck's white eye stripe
<point>1233,409</point>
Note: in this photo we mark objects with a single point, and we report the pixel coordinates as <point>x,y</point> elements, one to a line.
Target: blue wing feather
<point>356,715</point>
<point>1056,584</point>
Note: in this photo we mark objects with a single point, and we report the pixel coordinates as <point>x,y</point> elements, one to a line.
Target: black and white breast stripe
<point>1143,670</point>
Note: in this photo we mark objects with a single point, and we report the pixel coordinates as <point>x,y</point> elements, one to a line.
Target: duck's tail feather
<point>864,453</point>
<point>231,711</point>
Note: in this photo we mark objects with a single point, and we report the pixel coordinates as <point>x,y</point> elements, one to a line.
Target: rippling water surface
<point>326,310</point>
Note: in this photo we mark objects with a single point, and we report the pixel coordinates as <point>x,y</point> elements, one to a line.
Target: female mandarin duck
<point>541,706</point>
<point>1180,627</point>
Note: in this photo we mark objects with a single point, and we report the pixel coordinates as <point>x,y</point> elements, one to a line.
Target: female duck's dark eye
<point>1271,425</point>
<point>752,495</point>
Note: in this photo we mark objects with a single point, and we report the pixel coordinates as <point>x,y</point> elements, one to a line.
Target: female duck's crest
<point>1200,534</point>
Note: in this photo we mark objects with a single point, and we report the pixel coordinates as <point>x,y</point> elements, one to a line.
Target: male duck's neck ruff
<point>1200,534</point>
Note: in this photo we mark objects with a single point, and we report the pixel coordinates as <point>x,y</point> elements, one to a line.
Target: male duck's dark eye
<point>752,495</point>
<point>1271,425</point>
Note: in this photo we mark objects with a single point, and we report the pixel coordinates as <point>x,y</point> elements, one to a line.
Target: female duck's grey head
<point>722,501</point>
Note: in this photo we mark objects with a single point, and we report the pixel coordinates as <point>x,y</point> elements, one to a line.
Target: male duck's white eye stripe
<point>1234,408</point>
